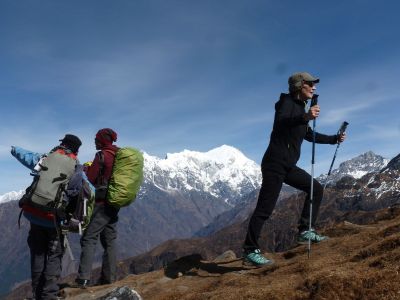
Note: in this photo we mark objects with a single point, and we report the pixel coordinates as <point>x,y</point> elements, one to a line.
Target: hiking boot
<point>312,235</point>
<point>80,283</point>
<point>255,258</point>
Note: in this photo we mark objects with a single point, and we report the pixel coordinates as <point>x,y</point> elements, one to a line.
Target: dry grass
<point>358,262</point>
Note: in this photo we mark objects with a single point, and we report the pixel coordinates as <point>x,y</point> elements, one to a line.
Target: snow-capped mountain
<point>11,196</point>
<point>358,167</point>
<point>223,172</point>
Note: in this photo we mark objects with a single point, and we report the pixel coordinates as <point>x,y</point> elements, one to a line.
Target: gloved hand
<point>341,137</point>
<point>86,165</point>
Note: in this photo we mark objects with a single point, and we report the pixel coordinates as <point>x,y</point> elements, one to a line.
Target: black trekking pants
<point>103,224</point>
<point>46,257</point>
<point>269,193</point>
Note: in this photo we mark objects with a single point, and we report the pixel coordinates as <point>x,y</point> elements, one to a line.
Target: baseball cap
<point>296,80</point>
<point>72,142</point>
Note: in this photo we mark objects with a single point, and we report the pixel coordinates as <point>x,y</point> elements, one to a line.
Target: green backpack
<point>126,177</point>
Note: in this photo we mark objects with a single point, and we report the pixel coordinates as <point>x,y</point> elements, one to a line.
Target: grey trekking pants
<point>103,224</point>
<point>46,255</point>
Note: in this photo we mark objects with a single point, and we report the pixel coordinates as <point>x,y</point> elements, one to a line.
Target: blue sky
<point>174,75</point>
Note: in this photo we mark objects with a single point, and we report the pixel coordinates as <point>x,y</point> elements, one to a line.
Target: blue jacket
<point>28,158</point>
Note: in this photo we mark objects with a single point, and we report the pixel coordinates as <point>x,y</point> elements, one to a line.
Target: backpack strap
<point>26,198</point>
<point>100,176</point>
<point>19,218</point>
<point>100,179</point>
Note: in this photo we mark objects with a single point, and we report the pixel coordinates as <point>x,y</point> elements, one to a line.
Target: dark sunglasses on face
<point>309,83</point>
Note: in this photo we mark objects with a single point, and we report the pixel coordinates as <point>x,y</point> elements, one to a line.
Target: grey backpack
<point>55,173</point>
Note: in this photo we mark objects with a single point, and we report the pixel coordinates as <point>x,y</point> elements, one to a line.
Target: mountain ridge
<point>357,167</point>
<point>223,172</point>
<point>178,176</point>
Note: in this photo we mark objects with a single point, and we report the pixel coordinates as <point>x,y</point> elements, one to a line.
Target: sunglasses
<point>310,83</point>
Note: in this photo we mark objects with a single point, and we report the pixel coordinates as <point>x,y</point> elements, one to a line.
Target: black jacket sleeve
<point>320,138</point>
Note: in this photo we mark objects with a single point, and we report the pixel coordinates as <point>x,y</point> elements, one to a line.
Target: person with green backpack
<point>116,174</point>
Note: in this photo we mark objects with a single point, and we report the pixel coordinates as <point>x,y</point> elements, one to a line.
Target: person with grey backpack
<point>44,206</point>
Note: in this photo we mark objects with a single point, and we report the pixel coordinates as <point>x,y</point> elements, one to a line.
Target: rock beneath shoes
<point>122,293</point>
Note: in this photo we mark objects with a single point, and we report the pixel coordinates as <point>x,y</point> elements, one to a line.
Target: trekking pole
<point>314,101</point>
<point>341,130</point>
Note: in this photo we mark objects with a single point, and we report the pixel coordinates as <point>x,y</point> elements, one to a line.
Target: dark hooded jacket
<point>289,130</point>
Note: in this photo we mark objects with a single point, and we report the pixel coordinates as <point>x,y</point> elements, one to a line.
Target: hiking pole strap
<point>19,218</point>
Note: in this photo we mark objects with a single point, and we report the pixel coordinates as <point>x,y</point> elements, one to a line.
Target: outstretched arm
<point>321,138</point>
<point>28,158</point>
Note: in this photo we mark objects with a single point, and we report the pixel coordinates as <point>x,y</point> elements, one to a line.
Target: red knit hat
<point>106,136</point>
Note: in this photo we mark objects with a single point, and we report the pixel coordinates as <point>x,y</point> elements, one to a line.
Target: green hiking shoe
<point>255,258</point>
<point>315,238</point>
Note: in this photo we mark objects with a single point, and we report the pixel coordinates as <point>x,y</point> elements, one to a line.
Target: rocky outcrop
<point>121,293</point>
<point>394,164</point>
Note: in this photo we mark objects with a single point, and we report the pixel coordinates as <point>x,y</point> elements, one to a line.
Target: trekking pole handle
<point>343,128</point>
<point>314,100</point>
